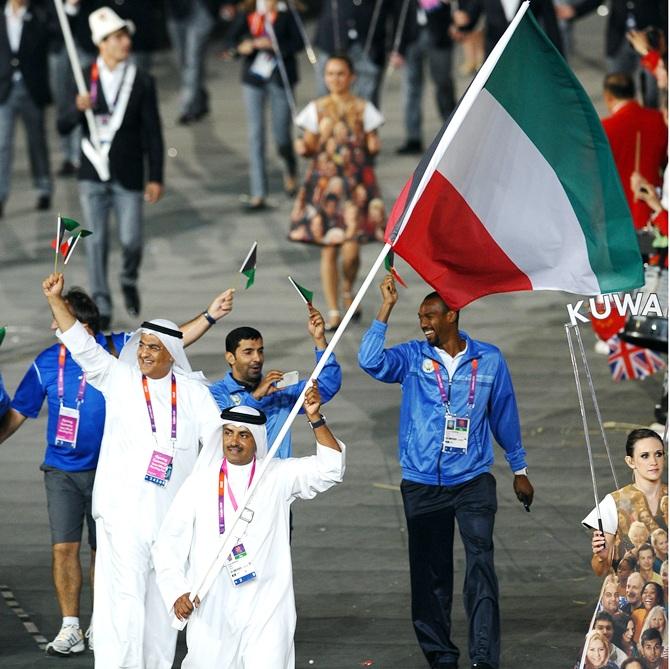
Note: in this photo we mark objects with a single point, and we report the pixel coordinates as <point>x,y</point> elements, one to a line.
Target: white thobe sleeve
<point>609,516</point>
<point>306,477</point>
<point>171,549</point>
<point>89,355</point>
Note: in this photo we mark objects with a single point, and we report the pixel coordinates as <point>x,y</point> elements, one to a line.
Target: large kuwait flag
<point>519,190</point>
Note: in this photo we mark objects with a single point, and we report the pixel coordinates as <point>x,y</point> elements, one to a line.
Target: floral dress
<point>339,199</point>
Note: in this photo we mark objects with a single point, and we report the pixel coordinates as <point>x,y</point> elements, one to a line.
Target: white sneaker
<point>601,347</point>
<point>89,637</point>
<point>70,640</point>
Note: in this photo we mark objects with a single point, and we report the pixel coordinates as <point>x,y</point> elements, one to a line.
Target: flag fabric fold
<point>307,295</point>
<point>389,265</point>
<point>519,190</point>
<point>248,268</point>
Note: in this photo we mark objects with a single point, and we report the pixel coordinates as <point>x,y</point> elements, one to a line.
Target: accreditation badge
<point>456,432</point>
<point>159,469</point>
<point>239,565</point>
<point>67,427</point>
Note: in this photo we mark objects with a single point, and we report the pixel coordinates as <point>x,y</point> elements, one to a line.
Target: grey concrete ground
<point>349,545</point>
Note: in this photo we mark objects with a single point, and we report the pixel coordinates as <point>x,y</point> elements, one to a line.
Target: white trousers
<point>131,626</point>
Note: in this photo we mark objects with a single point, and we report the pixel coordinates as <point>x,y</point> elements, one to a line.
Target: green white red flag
<point>519,190</point>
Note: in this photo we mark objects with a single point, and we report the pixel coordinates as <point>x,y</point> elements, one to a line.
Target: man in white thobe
<point>157,411</point>
<point>247,618</point>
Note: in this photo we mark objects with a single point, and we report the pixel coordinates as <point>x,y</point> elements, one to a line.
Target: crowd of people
<point>126,410</point>
<point>630,548</point>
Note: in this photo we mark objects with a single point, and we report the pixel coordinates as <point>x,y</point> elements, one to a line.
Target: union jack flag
<point>627,361</point>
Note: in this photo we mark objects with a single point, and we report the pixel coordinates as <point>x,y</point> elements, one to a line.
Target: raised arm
<point>221,306</point>
<point>52,287</point>
<point>312,475</point>
<point>85,350</point>
<point>384,364</point>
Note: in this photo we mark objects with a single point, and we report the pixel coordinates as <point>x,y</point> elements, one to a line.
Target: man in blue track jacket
<point>456,392</point>
<point>245,384</point>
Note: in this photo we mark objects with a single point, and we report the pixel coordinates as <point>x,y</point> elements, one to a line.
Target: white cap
<point>105,21</point>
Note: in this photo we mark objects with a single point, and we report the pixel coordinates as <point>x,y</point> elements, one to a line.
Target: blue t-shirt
<point>4,399</point>
<point>40,381</point>
<point>277,406</point>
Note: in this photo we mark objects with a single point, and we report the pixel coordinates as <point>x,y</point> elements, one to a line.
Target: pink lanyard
<point>446,396</point>
<point>222,488</point>
<point>61,379</point>
<point>150,409</point>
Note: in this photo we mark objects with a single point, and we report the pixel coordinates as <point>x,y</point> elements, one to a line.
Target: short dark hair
<point>631,660</point>
<point>85,309</point>
<point>344,58</point>
<point>639,434</point>
<point>436,296</point>
<point>645,547</point>
<point>650,634</point>
<point>607,617</point>
<point>235,336</point>
<point>620,84</point>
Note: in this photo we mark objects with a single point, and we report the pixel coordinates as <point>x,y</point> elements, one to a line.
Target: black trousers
<point>430,511</point>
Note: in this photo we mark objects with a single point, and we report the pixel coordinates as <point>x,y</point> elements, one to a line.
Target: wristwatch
<point>317,423</point>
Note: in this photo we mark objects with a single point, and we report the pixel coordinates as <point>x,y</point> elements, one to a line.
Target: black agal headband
<point>238,417</point>
<point>162,329</point>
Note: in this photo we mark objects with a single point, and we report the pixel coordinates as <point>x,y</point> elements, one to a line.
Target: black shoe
<point>131,297</point>
<point>187,119</point>
<point>105,322</point>
<point>67,169</point>
<point>411,147</point>
<point>43,203</point>
<point>482,665</point>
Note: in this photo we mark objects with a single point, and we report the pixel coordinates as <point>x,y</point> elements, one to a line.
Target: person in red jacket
<point>627,122</point>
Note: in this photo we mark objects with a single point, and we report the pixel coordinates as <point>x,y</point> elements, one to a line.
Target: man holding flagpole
<point>157,412</point>
<point>247,619</point>
<point>124,103</point>
<point>456,392</point>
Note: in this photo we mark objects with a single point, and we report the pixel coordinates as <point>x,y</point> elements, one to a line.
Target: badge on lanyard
<point>456,431</point>
<point>67,424</point>
<point>239,563</point>
<point>160,464</point>
<point>67,427</point>
<point>456,428</point>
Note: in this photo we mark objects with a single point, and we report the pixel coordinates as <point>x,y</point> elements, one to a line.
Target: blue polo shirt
<point>4,399</point>
<point>277,406</point>
<point>41,381</point>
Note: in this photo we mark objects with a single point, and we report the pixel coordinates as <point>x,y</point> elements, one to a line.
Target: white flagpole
<point>462,110</point>
<point>101,166</point>
<point>228,538</point>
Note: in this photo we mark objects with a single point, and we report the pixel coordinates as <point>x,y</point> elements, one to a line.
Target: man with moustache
<point>247,617</point>
<point>157,412</point>
<point>456,392</point>
<point>245,384</point>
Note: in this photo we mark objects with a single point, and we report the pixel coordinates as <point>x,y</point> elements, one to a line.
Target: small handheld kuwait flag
<point>390,267</point>
<point>3,332</point>
<point>249,266</point>
<point>68,247</point>
<point>307,295</point>
<point>65,247</point>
